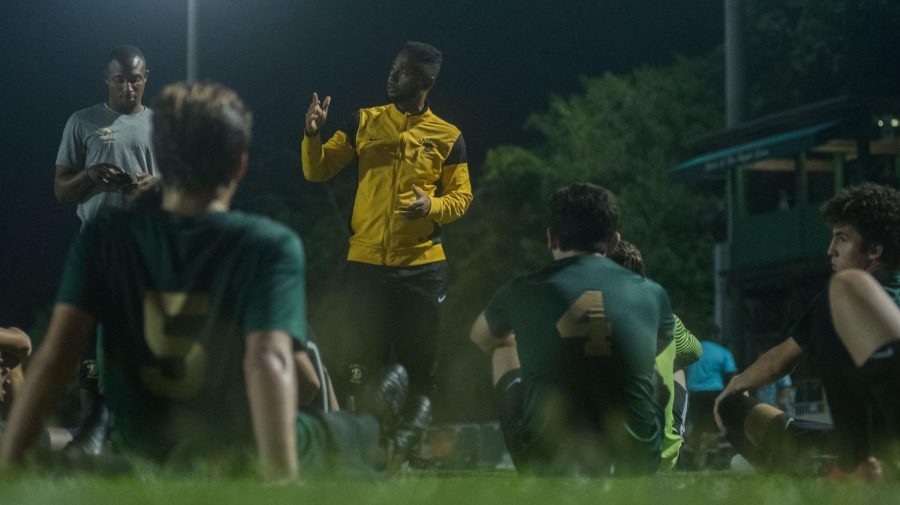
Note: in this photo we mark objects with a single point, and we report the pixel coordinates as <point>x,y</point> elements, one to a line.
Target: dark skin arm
<point>72,185</point>
<point>15,346</point>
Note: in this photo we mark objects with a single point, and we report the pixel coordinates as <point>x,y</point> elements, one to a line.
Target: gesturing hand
<point>316,114</point>
<point>420,207</point>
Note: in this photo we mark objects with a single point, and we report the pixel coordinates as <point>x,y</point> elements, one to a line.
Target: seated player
<point>205,308</point>
<point>868,322</point>
<point>670,363</point>
<point>855,371</point>
<point>573,349</point>
<point>15,347</point>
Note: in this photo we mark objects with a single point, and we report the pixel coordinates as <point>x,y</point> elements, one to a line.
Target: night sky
<point>502,61</point>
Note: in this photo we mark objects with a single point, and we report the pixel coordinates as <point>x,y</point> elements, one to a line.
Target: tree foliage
<point>623,132</point>
<point>803,51</point>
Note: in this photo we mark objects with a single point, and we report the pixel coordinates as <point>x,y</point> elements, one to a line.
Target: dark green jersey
<point>176,296</point>
<point>588,332</point>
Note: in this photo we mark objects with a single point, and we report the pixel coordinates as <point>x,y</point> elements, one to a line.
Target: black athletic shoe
<point>91,436</point>
<point>386,396</point>
<point>407,438</point>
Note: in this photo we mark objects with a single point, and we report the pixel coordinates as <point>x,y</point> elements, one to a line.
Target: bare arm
<point>481,336</point>
<point>865,317</point>
<point>72,185</point>
<point>15,343</point>
<point>770,367</point>
<point>332,399</point>
<point>69,332</point>
<point>307,379</point>
<point>272,389</point>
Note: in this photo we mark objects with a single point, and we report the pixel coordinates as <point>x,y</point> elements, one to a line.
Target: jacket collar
<point>418,116</point>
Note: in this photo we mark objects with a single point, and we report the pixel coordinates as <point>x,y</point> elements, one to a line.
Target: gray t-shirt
<point>100,135</point>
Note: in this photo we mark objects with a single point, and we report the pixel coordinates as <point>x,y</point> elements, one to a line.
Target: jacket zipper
<point>398,158</point>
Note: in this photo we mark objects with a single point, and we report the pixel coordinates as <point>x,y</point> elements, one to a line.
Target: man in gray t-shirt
<point>106,156</point>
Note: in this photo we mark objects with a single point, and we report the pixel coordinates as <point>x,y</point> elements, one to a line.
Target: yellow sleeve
<point>456,194</point>
<point>322,162</point>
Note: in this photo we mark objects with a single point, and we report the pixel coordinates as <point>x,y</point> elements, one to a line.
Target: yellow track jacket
<point>396,151</point>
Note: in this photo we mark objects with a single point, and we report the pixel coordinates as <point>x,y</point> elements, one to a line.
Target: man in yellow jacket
<point>413,178</point>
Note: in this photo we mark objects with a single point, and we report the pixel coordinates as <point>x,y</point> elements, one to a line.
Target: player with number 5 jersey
<point>206,315</point>
<point>181,318</point>
<point>573,347</point>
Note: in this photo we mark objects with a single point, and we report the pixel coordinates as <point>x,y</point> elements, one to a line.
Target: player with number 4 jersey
<point>574,346</point>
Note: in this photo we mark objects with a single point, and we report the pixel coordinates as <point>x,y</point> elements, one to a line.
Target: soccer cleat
<point>407,438</point>
<point>91,437</point>
<point>386,396</point>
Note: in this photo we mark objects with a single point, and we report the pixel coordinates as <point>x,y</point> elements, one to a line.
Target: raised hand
<point>420,207</point>
<point>316,114</point>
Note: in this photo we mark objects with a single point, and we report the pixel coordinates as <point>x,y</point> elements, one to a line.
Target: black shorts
<point>701,413</point>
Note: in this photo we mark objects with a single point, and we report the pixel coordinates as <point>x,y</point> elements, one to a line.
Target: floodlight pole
<point>191,41</point>
<point>734,63</point>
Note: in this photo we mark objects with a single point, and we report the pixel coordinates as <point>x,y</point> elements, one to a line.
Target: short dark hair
<point>200,132</point>
<point>425,54</point>
<point>873,211</point>
<point>629,256</point>
<point>583,217</point>
<point>125,53</point>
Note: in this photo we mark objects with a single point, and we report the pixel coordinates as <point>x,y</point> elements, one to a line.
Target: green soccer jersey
<point>176,296</point>
<point>588,332</point>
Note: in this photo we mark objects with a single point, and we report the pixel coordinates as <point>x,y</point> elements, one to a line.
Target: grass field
<point>461,488</point>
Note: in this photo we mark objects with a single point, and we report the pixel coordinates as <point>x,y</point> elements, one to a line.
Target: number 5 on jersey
<point>172,323</point>
<point>586,318</point>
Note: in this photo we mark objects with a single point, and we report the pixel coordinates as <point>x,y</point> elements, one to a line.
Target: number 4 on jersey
<point>586,318</point>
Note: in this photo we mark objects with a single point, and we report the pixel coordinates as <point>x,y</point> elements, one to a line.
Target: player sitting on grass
<point>860,385</point>
<point>204,308</point>
<point>573,349</point>
<point>15,347</point>
<point>670,363</point>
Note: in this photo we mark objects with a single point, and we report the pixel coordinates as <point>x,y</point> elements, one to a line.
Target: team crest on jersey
<point>356,373</point>
<point>428,145</point>
<point>106,134</point>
